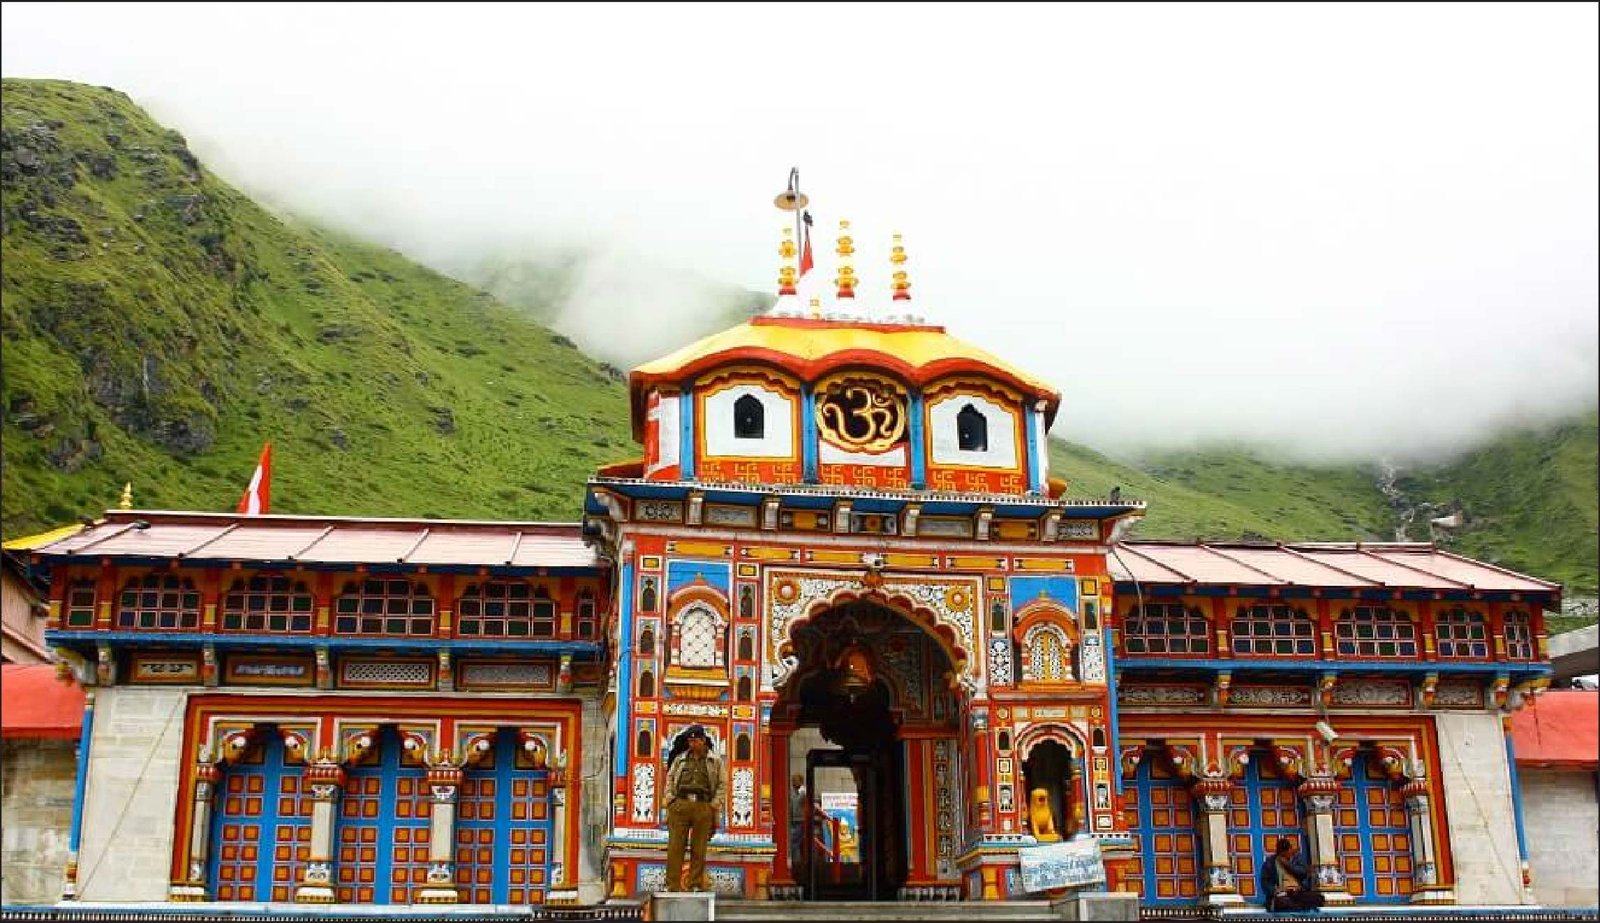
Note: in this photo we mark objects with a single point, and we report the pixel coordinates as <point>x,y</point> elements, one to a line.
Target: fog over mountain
<point>1344,231</point>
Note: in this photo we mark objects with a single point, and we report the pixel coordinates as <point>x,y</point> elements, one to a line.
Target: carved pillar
<point>326,780</point>
<point>1424,860</point>
<point>192,887</point>
<point>782,883</point>
<point>444,785</point>
<point>1318,795</point>
<point>558,838</point>
<point>1211,797</point>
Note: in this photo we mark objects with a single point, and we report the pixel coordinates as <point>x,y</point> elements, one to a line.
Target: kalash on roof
<point>815,329</point>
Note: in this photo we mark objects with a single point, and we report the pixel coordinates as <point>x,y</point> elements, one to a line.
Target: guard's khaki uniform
<point>694,802</point>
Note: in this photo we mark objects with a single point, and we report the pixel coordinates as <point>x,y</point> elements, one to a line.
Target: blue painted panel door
<point>1262,807</point>
<point>1160,812</point>
<point>383,829</point>
<point>504,830</point>
<point>261,829</point>
<point>1374,835</point>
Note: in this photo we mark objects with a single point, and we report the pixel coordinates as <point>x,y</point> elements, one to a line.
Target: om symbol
<point>861,415</point>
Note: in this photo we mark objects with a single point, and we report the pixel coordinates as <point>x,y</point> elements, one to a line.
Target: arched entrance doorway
<point>868,723</point>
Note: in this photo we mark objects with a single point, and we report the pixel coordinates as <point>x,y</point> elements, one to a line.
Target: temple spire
<point>846,251</point>
<point>902,281</point>
<point>126,503</point>
<point>787,274</point>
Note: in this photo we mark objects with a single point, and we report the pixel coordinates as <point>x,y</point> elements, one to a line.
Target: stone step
<point>842,911</point>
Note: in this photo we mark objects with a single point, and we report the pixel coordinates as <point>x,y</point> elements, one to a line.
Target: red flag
<point>258,496</point>
<point>805,246</point>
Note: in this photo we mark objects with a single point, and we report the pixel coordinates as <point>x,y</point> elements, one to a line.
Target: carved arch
<point>951,638</point>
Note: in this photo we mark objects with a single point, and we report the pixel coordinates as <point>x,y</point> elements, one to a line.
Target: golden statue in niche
<point>1040,818</point>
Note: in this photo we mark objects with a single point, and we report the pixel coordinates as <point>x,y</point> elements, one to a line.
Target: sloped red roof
<point>327,540</point>
<point>1359,565</point>
<point>1560,730</point>
<point>35,704</point>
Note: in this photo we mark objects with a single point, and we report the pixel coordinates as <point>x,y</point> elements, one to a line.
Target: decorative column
<point>326,780</point>
<point>1211,797</point>
<point>782,884</point>
<point>444,785</point>
<point>1318,794</point>
<point>192,887</point>
<point>559,823</point>
<point>1424,858</point>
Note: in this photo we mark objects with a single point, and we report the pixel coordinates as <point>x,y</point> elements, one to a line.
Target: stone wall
<point>594,811</point>
<point>130,806</point>
<point>1482,824</point>
<point>36,788</point>
<point>1561,815</point>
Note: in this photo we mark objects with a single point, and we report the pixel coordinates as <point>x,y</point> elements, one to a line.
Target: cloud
<point>1343,230</point>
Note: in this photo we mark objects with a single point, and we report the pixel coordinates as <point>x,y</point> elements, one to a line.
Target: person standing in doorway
<point>797,817</point>
<point>694,803</point>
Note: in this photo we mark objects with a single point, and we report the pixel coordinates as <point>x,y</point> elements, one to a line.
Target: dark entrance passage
<point>844,698</point>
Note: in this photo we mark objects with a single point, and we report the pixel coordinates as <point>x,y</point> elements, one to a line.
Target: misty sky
<point>1346,230</point>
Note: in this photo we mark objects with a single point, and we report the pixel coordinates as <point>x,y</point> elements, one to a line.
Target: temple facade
<point>844,555</point>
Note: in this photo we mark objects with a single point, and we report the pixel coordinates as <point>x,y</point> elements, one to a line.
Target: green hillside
<point>1232,494</point>
<point>1528,500</point>
<point>159,326</point>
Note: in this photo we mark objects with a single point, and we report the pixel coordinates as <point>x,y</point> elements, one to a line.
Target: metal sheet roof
<point>327,540</point>
<point>1359,565</point>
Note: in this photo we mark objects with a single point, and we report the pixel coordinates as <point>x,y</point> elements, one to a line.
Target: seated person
<point>1286,881</point>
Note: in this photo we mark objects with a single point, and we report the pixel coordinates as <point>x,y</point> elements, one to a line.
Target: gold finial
<point>847,273</point>
<point>126,503</point>
<point>902,282</point>
<point>787,274</point>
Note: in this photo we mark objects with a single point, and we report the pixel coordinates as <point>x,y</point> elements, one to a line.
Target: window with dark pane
<point>746,689</point>
<point>505,609</point>
<point>159,601</point>
<point>997,616</point>
<point>1273,630</point>
<point>972,430</point>
<point>586,614</point>
<point>1462,634</point>
<point>80,604</point>
<point>1375,631</point>
<point>747,646</point>
<point>741,747</point>
<point>267,603</point>
<point>647,641</point>
<point>384,607</point>
<point>1166,628</point>
<point>749,418</point>
<point>647,595</point>
<point>647,685</point>
<point>1519,634</point>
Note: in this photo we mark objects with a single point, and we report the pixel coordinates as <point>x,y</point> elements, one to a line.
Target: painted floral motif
<point>1092,660</point>
<point>1000,662</point>
<point>744,792</point>
<point>644,792</point>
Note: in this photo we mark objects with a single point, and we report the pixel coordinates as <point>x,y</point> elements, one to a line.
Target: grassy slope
<point>1529,499</point>
<point>1226,494</point>
<point>152,340</point>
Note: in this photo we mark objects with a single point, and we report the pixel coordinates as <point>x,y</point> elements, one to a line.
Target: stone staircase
<point>843,911</point>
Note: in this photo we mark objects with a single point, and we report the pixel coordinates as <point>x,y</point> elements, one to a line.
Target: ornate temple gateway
<point>843,554</point>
